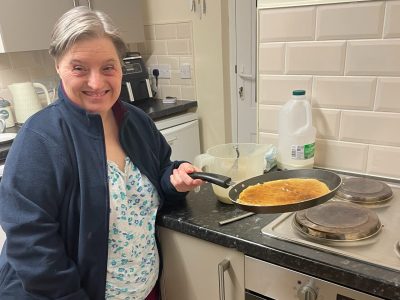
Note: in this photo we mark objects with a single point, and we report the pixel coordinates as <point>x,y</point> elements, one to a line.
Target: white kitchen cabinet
<point>182,134</point>
<point>190,268</point>
<point>126,14</point>
<point>26,25</point>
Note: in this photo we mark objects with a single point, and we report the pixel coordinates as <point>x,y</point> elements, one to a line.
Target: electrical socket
<point>185,71</point>
<point>165,71</point>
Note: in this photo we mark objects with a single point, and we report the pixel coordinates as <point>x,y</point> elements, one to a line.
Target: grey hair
<point>81,23</point>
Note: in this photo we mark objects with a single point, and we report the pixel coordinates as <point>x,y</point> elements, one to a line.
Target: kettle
<point>26,100</point>
<point>239,161</point>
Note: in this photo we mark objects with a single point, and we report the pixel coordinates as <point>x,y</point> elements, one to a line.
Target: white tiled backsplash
<point>170,44</point>
<point>347,58</point>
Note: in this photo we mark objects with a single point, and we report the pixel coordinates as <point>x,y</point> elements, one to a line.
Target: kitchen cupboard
<point>191,268</point>
<point>127,16</point>
<point>26,25</point>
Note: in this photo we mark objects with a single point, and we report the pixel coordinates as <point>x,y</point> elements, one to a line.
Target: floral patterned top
<point>133,261</point>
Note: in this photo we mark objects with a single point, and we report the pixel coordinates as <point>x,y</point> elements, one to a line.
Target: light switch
<point>185,71</point>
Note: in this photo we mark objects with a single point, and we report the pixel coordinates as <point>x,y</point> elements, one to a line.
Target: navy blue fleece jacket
<point>54,199</point>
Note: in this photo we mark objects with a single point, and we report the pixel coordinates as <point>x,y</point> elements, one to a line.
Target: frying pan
<point>332,180</point>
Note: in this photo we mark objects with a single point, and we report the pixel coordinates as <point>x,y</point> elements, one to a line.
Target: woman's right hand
<point>182,181</point>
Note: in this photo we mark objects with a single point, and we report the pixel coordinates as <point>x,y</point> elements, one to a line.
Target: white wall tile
<point>350,21</point>
<point>133,47</point>
<point>177,80</point>
<point>268,118</point>
<point>149,32</point>
<point>271,58</point>
<point>171,90</point>
<point>142,49</point>
<point>373,57</point>
<point>184,31</point>
<point>388,94</point>
<point>150,60</point>
<point>188,92</point>
<point>40,74</point>
<point>327,123</point>
<point>178,47</point>
<point>172,61</point>
<point>155,47</point>
<point>26,59</point>
<point>6,94</point>
<point>320,58</point>
<point>165,31</point>
<point>47,60</point>
<point>277,89</point>
<point>383,161</point>
<point>392,20</point>
<point>4,61</point>
<point>344,92</point>
<point>337,155</point>
<point>370,127</point>
<point>13,75</point>
<point>287,24</point>
<point>164,81</point>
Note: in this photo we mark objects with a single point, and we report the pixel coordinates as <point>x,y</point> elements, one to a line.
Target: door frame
<point>233,72</point>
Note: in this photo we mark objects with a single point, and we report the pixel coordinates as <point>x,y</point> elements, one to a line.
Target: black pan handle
<point>217,179</point>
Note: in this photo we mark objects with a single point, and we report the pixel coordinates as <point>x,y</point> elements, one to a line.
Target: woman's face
<point>91,74</point>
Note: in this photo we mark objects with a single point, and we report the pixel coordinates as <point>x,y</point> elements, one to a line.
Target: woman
<point>84,179</point>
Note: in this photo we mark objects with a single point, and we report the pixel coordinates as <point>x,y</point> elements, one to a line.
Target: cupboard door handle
<point>76,3</point>
<point>246,76</point>
<point>222,267</point>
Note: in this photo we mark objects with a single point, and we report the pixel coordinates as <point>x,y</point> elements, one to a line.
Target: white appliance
<point>182,134</point>
<point>25,99</point>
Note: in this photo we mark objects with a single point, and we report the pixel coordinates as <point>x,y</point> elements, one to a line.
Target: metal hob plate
<point>380,249</point>
<point>364,191</point>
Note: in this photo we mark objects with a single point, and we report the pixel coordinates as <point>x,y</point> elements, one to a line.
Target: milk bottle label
<point>302,152</point>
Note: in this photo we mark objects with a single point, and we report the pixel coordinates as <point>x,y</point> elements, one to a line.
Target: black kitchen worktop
<point>199,217</point>
<point>156,109</point>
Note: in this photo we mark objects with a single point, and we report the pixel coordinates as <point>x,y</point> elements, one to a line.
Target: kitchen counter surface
<point>156,109</point>
<point>199,217</point>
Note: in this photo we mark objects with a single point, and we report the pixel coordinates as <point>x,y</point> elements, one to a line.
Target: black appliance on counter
<point>136,86</point>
